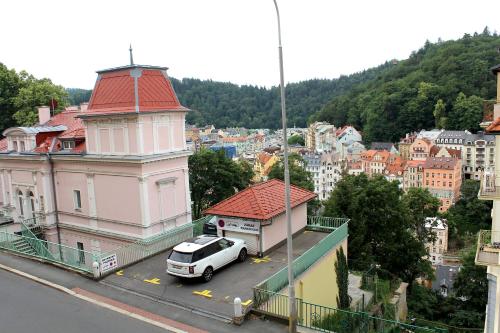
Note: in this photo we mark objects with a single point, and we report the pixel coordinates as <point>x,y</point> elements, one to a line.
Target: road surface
<point>26,306</point>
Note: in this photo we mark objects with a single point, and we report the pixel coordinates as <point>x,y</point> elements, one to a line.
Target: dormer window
<point>14,146</point>
<point>23,146</point>
<point>70,144</point>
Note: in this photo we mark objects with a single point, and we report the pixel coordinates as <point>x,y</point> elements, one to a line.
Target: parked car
<point>209,227</point>
<point>203,255</point>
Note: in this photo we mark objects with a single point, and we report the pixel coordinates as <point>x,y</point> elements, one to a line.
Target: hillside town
<point>358,195</point>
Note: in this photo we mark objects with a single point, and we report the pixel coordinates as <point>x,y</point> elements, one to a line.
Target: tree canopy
<point>442,84</point>
<point>214,177</point>
<point>21,93</point>
<point>381,230</point>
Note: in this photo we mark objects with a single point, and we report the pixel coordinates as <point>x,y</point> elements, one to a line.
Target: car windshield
<point>181,257</point>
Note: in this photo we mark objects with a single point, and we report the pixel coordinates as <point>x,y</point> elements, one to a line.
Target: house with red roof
<point>257,215</point>
<point>105,174</point>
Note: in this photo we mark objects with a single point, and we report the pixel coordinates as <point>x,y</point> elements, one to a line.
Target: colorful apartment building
<point>414,174</point>
<point>96,178</point>
<point>439,246</point>
<point>442,176</point>
<point>404,145</point>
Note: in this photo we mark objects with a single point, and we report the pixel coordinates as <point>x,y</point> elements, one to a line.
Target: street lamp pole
<point>292,309</point>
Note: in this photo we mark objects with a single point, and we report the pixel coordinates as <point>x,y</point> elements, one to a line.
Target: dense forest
<point>441,85</point>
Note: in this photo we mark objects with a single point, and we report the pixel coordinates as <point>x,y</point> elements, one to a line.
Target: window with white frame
<point>23,146</point>
<point>68,144</point>
<point>21,202</point>
<point>14,145</point>
<point>77,199</point>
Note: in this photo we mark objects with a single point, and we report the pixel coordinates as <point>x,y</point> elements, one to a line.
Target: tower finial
<point>131,57</point>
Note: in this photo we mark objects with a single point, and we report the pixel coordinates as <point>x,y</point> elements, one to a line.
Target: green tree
<point>35,93</point>
<point>342,272</point>
<point>298,177</point>
<point>471,285</point>
<point>420,204</point>
<point>467,113</point>
<point>296,139</point>
<point>298,174</point>
<point>439,114</point>
<point>379,230</point>
<point>469,214</point>
<point>214,177</point>
<point>10,83</point>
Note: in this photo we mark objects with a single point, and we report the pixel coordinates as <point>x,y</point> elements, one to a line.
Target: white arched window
<point>21,202</point>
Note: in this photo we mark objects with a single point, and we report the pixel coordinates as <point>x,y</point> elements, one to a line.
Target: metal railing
<point>325,319</point>
<point>488,248</point>
<point>141,249</point>
<point>60,254</point>
<point>279,280</point>
<point>322,223</point>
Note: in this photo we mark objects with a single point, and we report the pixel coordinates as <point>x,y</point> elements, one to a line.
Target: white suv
<point>203,255</point>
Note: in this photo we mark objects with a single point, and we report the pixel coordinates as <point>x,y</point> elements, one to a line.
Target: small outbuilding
<point>257,215</point>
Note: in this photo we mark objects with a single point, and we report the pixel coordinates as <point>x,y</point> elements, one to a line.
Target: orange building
<point>442,176</point>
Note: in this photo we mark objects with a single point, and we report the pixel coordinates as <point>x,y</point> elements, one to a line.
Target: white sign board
<point>108,263</point>
<point>248,227</point>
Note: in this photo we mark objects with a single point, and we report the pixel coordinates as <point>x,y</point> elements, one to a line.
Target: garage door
<point>251,240</point>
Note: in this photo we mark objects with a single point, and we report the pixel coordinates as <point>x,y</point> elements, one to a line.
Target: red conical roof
<point>115,91</point>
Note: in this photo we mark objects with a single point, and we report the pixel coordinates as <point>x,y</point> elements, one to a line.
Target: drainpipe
<point>54,195</point>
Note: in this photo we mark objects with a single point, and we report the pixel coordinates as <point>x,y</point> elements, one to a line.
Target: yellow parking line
<point>261,260</point>
<point>246,303</point>
<point>204,293</point>
<point>153,281</point>
<point>120,273</point>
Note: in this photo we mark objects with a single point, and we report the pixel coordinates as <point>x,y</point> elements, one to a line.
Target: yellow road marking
<point>246,303</point>
<point>120,273</point>
<point>204,293</point>
<point>260,260</point>
<point>153,281</point>
<point>179,285</point>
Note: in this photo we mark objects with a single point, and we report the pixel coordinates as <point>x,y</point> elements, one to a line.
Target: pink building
<point>100,176</point>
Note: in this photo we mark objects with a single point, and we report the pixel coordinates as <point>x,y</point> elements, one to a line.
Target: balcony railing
<point>488,248</point>
<point>488,189</point>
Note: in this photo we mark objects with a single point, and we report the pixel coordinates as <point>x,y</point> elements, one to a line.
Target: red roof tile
<point>115,92</point>
<point>261,202</point>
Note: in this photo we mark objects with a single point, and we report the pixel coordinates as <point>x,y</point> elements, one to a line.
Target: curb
<point>91,300</point>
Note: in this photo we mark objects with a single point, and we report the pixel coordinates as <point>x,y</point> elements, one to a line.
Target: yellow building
<point>263,164</point>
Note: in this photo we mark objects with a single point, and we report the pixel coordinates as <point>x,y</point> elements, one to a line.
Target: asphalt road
<point>26,306</point>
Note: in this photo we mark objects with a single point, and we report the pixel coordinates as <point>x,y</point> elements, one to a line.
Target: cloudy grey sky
<point>227,40</point>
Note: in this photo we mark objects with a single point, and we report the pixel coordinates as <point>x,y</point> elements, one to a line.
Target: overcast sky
<point>227,40</point>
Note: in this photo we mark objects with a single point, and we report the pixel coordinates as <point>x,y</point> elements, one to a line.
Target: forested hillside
<point>441,85</point>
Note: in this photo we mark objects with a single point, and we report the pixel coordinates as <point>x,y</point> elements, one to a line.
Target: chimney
<point>43,114</point>
<point>84,107</point>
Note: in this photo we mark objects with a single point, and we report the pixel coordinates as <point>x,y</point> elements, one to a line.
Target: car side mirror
<point>231,243</point>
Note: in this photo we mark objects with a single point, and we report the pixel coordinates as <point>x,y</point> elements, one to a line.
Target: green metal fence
<point>279,280</point>
<point>322,223</point>
<point>141,249</point>
<point>325,319</point>
<point>63,255</point>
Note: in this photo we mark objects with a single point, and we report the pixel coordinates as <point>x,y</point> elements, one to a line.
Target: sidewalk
<point>150,307</point>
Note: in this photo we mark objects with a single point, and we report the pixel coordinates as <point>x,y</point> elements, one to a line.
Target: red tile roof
<point>260,202</point>
<point>440,163</point>
<point>263,157</point>
<point>115,92</point>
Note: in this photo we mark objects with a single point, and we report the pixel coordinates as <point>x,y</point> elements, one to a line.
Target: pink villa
<point>103,175</point>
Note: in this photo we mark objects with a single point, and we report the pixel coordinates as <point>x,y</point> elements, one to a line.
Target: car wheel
<point>208,274</point>
<point>243,255</point>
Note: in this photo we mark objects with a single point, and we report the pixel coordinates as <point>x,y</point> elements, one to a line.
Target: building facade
<point>76,171</point>
<point>443,178</point>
